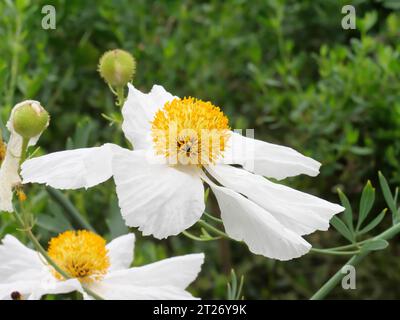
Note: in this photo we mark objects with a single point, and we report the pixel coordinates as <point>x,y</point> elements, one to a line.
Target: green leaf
<point>377,220</point>
<point>82,133</point>
<point>56,222</point>
<point>234,287</point>
<point>375,245</point>
<point>114,221</point>
<point>387,194</point>
<point>341,227</point>
<point>69,209</point>
<point>206,194</point>
<point>348,212</point>
<point>366,202</point>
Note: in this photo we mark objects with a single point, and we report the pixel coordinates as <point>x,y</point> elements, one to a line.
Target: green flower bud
<point>30,119</point>
<point>117,67</point>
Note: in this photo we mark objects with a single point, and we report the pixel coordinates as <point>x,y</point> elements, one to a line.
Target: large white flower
<point>105,269</point>
<point>160,184</point>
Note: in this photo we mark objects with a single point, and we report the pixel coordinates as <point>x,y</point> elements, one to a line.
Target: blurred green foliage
<point>285,68</point>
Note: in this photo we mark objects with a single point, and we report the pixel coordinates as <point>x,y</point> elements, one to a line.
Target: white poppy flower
<point>105,269</point>
<point>9,177</point>
<point>163,197</point>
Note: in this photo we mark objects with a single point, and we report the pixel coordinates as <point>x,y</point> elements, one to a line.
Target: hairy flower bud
<point>30,119</point>
<point>117,67</point>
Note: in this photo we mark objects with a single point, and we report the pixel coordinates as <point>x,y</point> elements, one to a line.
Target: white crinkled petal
<point>9,176</point>
<point>298,211</point>
<point>166,280</point>
<point>246,221</point>
<point>139,110</point>
<point>71,169</point>
<point>23,270</point>
<point>267,159</point>
<point>17,262</point>
<point>50,285</point>
<point>24,288</point>
<point>159,199</point>
<point>120,252</point>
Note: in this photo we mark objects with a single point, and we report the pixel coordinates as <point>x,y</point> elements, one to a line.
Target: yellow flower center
<point>82,254</point>
<point>190,131</point>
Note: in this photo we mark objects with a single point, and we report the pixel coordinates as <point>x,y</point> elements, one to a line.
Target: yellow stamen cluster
<point>21,194</point>
<point>190,131</point>
<point>82,254</point>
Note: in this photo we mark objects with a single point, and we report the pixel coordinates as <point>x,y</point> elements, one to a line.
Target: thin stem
<point>348,246</point>
<point>120,96</point>
<point>212,217</point>
<point>334,252</point>
<point>24,148</point>
<point>193,237</point>
<point>43,252</point>
<point>334,280</point>
<point>213,229</point>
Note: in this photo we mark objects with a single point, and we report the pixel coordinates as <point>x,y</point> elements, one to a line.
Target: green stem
<point>213,229</point>
<point>348,246</point>
<point>69,208</point>
<point>332,282</point>
<point>43,252</point>
<point>24,152</point>
<point>193,237</point>
<point>120,96</point>
<point>212,217</point>
<point>334,252</point>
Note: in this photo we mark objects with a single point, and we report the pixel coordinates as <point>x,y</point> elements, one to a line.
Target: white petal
<point>51,285</point>
<point>298,211</point>
<point>23,270</point>
<point>9,176</point>
<point>17,262</point>
<point>122,291</point>
<point>166,279</point>
<point>71,169</point>
<point>139,110</point>
<point>120,252</point>
<point>267,159</point>
<point>24,288</point>
<point>246,221</point>
<point>159,199</point>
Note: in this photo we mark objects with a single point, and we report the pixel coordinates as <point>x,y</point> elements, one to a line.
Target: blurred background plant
<point>285,68</point>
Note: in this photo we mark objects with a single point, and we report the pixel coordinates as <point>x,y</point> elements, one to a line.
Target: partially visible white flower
<point>163,199</point>
<point>9,176</point>
<point>105,269</point>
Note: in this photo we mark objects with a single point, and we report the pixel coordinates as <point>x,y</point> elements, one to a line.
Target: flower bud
<point>117,67</point>
<point>30,119</point>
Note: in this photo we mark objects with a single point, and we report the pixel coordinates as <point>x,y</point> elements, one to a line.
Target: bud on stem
<point>27,122</point>
<point>117,67</point>
<point>30,119</point>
